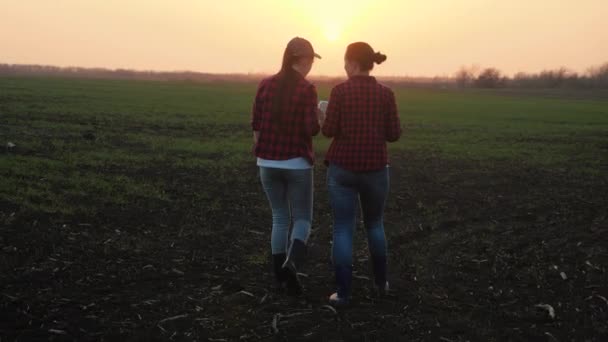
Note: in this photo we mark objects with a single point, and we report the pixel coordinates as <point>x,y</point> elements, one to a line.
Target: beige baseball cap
<point>301,47</point>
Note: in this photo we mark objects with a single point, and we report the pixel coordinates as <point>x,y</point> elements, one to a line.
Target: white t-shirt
<point>298,163</point>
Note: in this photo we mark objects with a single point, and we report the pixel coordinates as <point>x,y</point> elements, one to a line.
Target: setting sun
<point>332,17</point>
<point>332,32</point>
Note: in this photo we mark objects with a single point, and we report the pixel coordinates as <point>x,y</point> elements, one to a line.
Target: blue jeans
<point>346,189</point>
<point>290,195</point>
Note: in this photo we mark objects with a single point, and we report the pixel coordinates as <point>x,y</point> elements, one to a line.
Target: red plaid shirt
<point>299,125</point>
<point>361,117</point>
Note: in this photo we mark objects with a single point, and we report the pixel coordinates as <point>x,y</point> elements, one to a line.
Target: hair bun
<point>379,58</point>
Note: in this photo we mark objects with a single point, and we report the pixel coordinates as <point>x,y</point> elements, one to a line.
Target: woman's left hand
<point>320,117</point>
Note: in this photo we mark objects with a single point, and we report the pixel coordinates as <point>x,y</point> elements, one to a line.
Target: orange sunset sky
<point>421,38</point>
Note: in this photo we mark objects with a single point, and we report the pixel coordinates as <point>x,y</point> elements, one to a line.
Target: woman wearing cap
<point>361,117</point>
<point>284,120</point>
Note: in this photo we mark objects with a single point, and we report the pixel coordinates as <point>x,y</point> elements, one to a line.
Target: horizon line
<point>312,75</point>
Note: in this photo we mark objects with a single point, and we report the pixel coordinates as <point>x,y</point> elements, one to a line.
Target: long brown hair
<point>288,79</point>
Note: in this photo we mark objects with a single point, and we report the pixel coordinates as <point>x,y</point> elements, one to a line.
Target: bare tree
<point>465,76</point>
<point>599,76</point>
<point>490,78</point>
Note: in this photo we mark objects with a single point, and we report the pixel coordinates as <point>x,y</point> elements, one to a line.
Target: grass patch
<point>91,138</point>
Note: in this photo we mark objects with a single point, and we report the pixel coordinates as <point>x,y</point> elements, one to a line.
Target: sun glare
<point>332,32</point>
<point>333,18</point>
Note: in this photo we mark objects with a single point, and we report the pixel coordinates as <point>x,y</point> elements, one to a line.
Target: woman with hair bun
<point>361,118</point>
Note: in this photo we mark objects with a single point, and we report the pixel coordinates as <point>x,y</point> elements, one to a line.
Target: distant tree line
<point>596,77</point>
<point>102,73</point>
<point>466,77</point>
<point>190,76</point>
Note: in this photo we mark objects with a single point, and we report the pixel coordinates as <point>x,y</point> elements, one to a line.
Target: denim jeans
<point>290,194</point>
<point>346,190</point>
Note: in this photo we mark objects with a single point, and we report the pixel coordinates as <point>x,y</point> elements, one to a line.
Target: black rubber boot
<point>379,268</point>
<point>280,275</point>
<point>344,278</point>
<point>295,259</point>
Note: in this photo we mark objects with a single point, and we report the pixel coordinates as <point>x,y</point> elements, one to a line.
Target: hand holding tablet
<point>322,108</point>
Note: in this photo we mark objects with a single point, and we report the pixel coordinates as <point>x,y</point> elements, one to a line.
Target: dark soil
<point>476,251</point>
